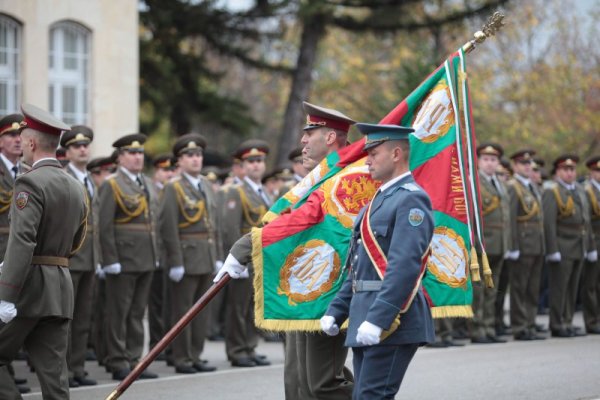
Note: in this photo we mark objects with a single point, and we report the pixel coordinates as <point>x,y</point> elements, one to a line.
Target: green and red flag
<point>299,256</point>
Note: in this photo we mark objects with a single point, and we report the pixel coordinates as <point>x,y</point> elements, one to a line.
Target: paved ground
<point>557,369</point>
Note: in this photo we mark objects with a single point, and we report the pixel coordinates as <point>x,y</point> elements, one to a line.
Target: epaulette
<point>411,187</point>
<point>549,185</point>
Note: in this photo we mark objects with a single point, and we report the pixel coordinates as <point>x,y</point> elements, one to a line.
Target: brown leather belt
<point>133,227</point>
<point>199,235</point>
<point>50,260</point>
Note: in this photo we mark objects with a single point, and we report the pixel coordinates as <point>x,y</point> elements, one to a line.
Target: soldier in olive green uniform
<point>127,223</point>
<point>567,226</point>
<point>591,271</point>
<point>158,312</point>
<point>496,224</point>
<point>527,248</point>
<point>83,263</point>
<point>243,208</point>
<point>48,222</point>
<point>188,223</point>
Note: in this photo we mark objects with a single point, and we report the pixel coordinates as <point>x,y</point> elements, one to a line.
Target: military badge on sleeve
<point>21,200</point>
<point>416,216</point>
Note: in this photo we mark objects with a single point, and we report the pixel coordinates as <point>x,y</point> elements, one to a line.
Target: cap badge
<point>192,145</point>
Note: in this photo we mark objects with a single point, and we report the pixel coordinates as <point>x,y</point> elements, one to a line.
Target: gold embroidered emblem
<point>435,116</point>
<point>448,260</point>
<point>309,271</point>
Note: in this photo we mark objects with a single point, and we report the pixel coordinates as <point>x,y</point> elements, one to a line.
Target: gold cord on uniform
<point>494,202</point>
<point>595,206</point>
<point>185,202</point>
<point>139,200</point>
<point>564,210</point>
<point>248,209</point>
<point>530,212</point>
<point>5,200</point>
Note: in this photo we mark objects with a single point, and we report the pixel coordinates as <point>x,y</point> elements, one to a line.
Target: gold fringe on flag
<point>452,312</point>
<point>474,267</point>
<point>487,272</point>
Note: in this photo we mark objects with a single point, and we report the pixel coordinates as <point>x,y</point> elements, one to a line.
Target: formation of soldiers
<point>154,245</point>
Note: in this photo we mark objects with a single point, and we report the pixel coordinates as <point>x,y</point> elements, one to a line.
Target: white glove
<point>218,265</point>
<point>100,272</point>
<point>592,256</point>
<point>112,269</point>
<point>176,273</point>
<point>368,334</point>
<point>512,255</point>
<point>232,267</point>
<point>329,326</point>
<point>1,265</point>
<point>554,257</point>
<point>7,311</point>
<point>245,274</point>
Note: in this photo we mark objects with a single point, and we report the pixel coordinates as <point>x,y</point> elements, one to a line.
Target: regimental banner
<point>299,256</point>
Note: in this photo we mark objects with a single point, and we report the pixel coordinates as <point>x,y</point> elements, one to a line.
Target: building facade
<point>79,59</point>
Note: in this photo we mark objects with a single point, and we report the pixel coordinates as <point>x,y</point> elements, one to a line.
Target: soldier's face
<point>10,144</point>
<point>78,153</point>
<point>162,175</point>
<point>381,161</point>
<point>522,168</point>
<point>132,161</point>
<point>315,142</point>
<point>191,163</point>
<point>536,176</point>
<point>254,168</point>
<point>488,164</point>
<point>595,175</point>
<point>566,174</point>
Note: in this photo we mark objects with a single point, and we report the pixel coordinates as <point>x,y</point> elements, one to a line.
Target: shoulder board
<point>550,185</point>
<point>411,187</point>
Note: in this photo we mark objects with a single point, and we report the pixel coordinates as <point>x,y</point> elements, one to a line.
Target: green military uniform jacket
<point>566,221</point>
<point>526,218</point>
<point>496,216</point>
<point>188,222</point>
<point>127,223</point>
<point>87,257</point>
<point>242,210</point>
<point>593,196</point>
<point>48,217</point>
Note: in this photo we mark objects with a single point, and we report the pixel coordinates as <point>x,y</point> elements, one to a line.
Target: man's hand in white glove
<point>554,257</point>
<point>592,256</point>
<point>112,269</point>
<point>512,255</point>
<point>100,272</point>
<point>232,267</point>
<point>368,334</point>
<point>329,326</point>
<point>7,311</point>
<point>176,273</point>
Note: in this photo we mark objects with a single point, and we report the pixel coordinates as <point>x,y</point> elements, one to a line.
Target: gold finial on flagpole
<point>493,25</point>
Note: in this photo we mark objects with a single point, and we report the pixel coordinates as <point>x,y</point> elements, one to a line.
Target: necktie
<point>200,189</point>
<point>86,183</point>
<point>531,189</point>
<point>139,182</point>
<point>493,181</point>
<point>15,170</point>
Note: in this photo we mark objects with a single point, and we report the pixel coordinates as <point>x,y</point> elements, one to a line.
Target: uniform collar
<point>595,183</point>
<point>194,181</point>
<point>43,159</point>
<point>256,187</point>
<point>523,180</point>
<point>79,174</point>
<point>565,184</point>
<point>129,174</point>
<point>8,163</point>
<point>392,181</point>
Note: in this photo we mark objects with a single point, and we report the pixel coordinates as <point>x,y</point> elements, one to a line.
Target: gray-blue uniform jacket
<point>404,241</point>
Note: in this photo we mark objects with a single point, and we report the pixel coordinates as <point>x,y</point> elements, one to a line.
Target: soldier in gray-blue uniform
<point>389,317</point>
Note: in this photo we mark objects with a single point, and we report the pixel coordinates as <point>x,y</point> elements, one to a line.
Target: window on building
<point>69,76</point>
<point>10,65</point>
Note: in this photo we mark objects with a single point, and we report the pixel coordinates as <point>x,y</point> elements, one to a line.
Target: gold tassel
<point>393,328</point>
<point>475,277</point>
<point>487,272</point>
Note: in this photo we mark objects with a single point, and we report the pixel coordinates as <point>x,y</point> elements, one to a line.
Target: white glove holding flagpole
<point>329,326</point>
<point>368,334</point>
<point>232,267</point>
<point>7,311</point>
